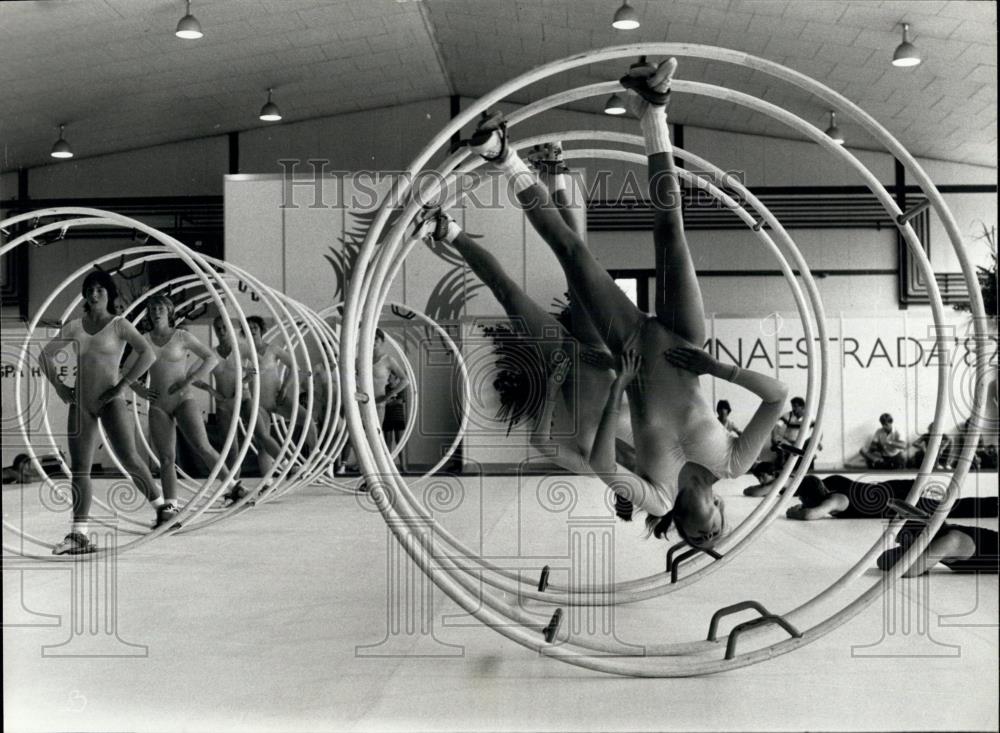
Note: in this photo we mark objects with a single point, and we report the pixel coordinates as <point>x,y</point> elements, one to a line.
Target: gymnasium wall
<point>377,139</point>
<point>305,250</point>
<point>8,185</point>
<point>186,168</point>
<point>388,138</point>
<point>882,358</point>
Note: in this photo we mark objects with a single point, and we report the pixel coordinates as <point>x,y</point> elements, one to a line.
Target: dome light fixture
<point>626,19</point>
<point>833,132</point>
<point>270,112</point>
<point>61,149</point>
<point>906,53</point>
<point>188,27</point>
<point>615,105</point>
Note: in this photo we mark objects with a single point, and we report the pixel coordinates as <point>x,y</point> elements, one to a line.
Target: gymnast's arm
<point>772,393</point>
<point>828,507</point>
<point>285,358</point>
<point>209,360</point>
<point>399,380</point>
<point>45,360</point>
<point>143,352</point>
<point>602,453</point>
<point>206,386</point>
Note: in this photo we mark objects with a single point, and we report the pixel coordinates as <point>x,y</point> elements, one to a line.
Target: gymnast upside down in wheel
<point>570,388</point>
<point>681,449</point>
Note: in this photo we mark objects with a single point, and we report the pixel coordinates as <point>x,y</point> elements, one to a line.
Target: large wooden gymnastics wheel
<point>457,571</point>
<point>213,281</point>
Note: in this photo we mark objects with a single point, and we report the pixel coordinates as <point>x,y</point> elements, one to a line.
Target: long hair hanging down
<point>520,379</point>
<point>562,312</point>
<point>623,508</point>
<point>659,526</point>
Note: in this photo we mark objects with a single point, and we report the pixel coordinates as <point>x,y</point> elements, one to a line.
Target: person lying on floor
<point>842,497</point>
<point>959,548</point>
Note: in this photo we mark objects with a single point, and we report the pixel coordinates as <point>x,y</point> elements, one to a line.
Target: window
<point>630,286</point>
<point>635,284</point>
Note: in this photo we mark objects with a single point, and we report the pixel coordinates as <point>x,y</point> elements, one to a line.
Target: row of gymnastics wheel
<point>310,338</point>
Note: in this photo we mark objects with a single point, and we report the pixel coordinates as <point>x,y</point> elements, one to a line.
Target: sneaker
<point>431,224</point>
<point>490,138</point>
<point>165,514</point>
<point>642,69</point>
<point>547,159</point>
<point>653,89</point>
<point>236,493</point>
<point>75,543</point>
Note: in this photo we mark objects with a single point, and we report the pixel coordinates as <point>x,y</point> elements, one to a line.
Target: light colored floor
<point>257,624</point>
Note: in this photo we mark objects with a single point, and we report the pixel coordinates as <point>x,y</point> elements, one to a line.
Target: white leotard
<point>170,367</point>
<point>99,357</point>
<point>270,378</point>
<point>673,424</point>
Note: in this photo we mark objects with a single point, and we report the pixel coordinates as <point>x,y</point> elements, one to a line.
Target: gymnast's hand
<point>796,512</point>
<point>66,394</point>
<point>145,392</point>
<point>697,361</point>
<point>597,358</point>
<point>109,395</point>
<point>631,363</point>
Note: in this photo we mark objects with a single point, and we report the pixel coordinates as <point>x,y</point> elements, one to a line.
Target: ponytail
<point>623,508</point>
<point>658,526</point>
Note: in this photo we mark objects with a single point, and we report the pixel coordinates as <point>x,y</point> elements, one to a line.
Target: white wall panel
<point>871,369</point>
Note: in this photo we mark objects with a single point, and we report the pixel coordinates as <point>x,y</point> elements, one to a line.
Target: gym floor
<point>294,616</point>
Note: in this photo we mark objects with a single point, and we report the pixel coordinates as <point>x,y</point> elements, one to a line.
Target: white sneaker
<point>75,543</point>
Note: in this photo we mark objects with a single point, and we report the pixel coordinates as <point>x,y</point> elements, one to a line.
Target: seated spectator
<point>921,450</point>
<point>723,410</point>
<point>886,449</point>
<point>786,431</point>
<point>985,455</point>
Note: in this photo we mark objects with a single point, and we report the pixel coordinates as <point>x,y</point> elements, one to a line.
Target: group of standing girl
<point>176,363</point>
